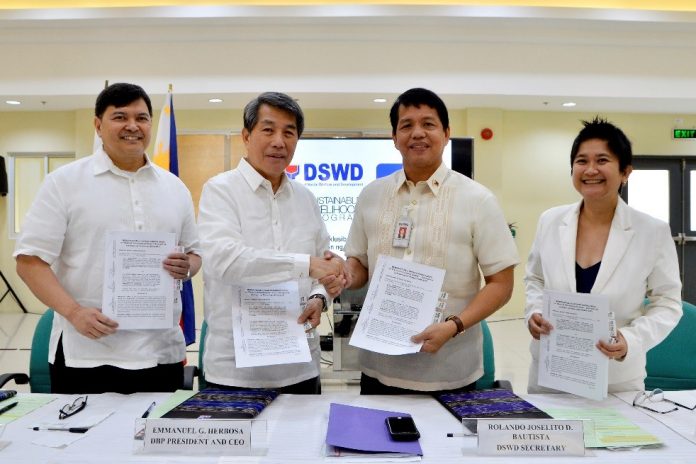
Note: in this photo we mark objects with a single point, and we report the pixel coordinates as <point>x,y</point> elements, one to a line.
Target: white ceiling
<point>344,56</point>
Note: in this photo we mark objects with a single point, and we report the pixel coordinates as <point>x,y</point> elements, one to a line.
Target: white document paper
<point>400,303</point>
<point>683,398</point>
<point>60,436</point>
<point>568,358</point>
<point>138,293</point>
<point>265,326</point>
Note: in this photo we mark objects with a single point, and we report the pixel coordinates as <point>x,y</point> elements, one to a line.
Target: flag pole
<point>97,141</point>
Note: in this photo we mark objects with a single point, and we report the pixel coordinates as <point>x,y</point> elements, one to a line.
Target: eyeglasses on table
<point>73,408</point>
<point>654,401</point>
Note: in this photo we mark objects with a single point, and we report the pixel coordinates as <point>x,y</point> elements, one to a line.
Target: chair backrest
<point>671,365</point>
<point>488,379</point>
<point>39,375</point>
<point>201,349</point>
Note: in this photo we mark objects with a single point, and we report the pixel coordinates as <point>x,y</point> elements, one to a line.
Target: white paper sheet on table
<point>61,438</point>
<point>684,398</point>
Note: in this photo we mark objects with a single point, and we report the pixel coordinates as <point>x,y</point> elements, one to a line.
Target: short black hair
<point>417,97</point>
<point>277,100</point>
<point>601,129</point>
<point>119,95</point>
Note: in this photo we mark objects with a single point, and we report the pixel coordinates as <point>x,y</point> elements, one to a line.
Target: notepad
<point>223,404</point>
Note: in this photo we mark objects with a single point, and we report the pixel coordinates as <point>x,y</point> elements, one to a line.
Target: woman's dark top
<point>585,278</point>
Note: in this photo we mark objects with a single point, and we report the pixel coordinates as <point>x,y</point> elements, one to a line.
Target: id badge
<point>402,232</point>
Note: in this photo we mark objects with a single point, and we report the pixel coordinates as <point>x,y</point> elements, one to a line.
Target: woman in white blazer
<point>601,245</point>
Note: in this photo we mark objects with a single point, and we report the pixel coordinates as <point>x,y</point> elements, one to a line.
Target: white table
<point>297,428</point>
<point>682,421</point>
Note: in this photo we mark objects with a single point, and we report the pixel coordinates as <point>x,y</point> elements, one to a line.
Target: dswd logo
<point>333,171</point>
<point>385,169</point>
<point>292,170</point>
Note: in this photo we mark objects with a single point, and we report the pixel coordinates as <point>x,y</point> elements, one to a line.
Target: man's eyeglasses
<point>73,408</point>
<point>654,401</point>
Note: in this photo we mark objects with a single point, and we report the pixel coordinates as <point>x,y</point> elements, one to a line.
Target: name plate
<point>530,437</point>
<point>196,436</point>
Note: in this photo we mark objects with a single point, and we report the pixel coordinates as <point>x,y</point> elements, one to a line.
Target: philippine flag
<point>166,157</point>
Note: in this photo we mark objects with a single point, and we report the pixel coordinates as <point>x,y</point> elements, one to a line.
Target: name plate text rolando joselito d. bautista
<point>198,436</point>
<point>530,437</point>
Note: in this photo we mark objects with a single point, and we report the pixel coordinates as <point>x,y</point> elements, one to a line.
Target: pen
<point>178,282</point>
<point>459,434</point>
<point>149,410</point>
<point>7,394</point>
<point>613,336</point>
<point>63,429</point>
<point>8,407</point>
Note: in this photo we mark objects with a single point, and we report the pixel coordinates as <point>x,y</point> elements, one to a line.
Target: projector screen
<point>336,170</point>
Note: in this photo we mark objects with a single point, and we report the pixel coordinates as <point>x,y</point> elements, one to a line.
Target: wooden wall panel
<point>201,156</point>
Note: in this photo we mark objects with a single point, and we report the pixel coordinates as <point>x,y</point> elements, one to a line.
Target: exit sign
<point>684,133</point>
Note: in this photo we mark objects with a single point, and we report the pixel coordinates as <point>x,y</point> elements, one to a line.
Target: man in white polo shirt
<point>455,224</point>
<point>60,253</point>
<point>259,227</point>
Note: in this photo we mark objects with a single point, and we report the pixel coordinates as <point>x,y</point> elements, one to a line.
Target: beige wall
<point>526,163</point>
<point>534,158</point>
<point>28,132</point>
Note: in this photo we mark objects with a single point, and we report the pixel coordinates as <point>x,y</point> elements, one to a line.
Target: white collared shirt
<point>66,227</point>
<point>251,235</point>
<point>458,226</point>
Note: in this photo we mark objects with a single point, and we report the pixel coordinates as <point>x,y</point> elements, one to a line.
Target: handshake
<point>331,271</point>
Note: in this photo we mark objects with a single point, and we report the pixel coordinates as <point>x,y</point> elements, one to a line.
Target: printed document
<point>684,398</point>
<point>568,358</point>
<point>400,303</point>
<point>265,325</point>
<point>138,293</point>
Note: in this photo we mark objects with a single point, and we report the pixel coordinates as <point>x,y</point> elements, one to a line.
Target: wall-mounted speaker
<point>3,177</point>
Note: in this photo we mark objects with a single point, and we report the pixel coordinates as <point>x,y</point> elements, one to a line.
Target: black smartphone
<point>402,428</point>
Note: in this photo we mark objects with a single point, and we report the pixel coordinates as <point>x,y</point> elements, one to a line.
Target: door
<point>665,187</point>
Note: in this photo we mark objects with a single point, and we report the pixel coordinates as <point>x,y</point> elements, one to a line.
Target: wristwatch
<point>458,322</point>
<point>322,298</point>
